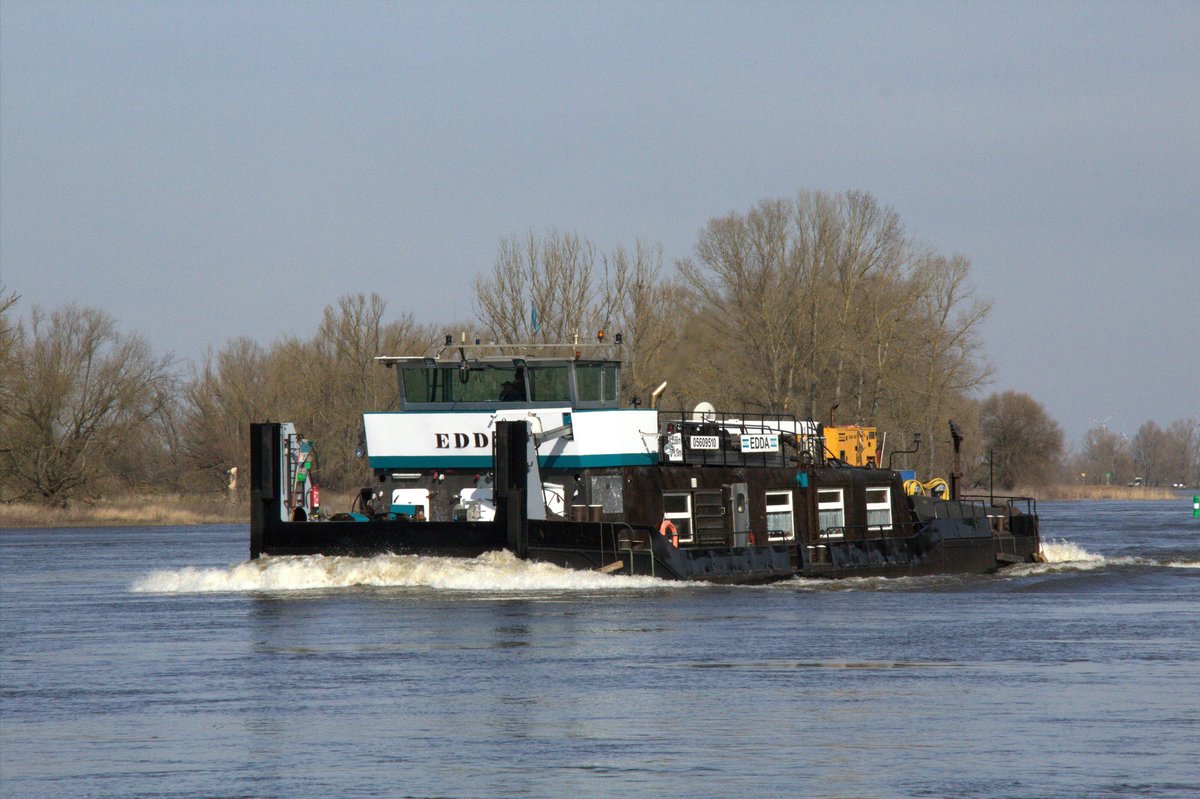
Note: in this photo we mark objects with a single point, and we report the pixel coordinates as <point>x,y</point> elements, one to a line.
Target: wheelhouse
<point>429,384</point>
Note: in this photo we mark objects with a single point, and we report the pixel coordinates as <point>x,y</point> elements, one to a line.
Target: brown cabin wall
<point>856,482</point>
<point>642,490</point>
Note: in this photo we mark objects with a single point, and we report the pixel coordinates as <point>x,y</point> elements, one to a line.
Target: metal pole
<point>991,480</point>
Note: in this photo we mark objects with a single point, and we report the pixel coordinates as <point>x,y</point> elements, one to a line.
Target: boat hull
<point>610,547</point>
<point>929,543</point>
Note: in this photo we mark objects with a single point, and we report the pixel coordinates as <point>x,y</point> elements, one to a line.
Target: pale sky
<point>207,170</point>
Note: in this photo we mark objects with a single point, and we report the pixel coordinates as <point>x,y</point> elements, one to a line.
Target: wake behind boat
<point>540,456</point>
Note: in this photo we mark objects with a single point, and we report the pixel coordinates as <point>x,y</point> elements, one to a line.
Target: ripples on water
<point>156,662</point>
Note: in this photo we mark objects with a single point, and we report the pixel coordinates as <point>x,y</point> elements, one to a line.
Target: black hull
<point>611,547</point>
<point>930,544</point>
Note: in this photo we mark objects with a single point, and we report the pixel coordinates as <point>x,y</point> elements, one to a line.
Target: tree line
<point>1155,456</point>
<point>818,305</point>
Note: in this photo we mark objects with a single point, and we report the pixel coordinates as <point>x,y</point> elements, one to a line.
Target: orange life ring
<point>666,525</point>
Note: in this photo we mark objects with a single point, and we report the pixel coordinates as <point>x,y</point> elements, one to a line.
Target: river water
<point>157,662</point>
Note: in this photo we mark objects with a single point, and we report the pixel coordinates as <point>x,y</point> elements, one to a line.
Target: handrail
<point>859,532</point>
<point>720,433</point>
<point>1010,502</point>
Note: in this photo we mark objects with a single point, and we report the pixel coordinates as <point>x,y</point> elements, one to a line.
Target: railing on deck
<point>1015,515</point>
<point>863,532</point>
<point>714,439</point>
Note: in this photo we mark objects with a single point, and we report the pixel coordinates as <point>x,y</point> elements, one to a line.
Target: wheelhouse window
<point>831,512</point>
<point>420,385</point>
<point>476,383</point>
<point>588,380</point>
<point>612,383</point>
<point>427,381</point>
<point>677,508</point>
<point>780,520</point>
<point>598,383</point>
<point>879,508</point>
<point>549,384</point>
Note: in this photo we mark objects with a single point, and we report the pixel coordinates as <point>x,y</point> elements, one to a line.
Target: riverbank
<point>1068,492</point>
<point>137,510</point>
<point>145,510</point>
<point>129,510</point>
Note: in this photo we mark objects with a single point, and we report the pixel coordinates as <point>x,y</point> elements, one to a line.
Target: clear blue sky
<point>204,170</point>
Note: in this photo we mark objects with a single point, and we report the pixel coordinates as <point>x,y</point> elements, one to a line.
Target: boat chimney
<point>656,393</point>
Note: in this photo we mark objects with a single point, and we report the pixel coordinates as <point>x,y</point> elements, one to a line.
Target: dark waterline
<point>152,662</point>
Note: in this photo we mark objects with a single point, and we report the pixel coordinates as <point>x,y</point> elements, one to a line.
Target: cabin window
<point>486,385</point>
<point>677,508</point>
<point>879,509</point>
<point>612,383</point>
<point>780,525</point>
<point>831,512</point>
<point>549,384</point>
<point>588,382</point>
<point>597,382</point>
<point>420,385</point>
<point>479,383</point>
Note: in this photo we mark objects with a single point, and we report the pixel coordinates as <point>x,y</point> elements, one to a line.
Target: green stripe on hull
<point>395,462</point>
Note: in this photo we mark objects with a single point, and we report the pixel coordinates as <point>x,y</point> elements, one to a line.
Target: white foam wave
<point>1060,551</point>
<point>492,571</point>
<point>1058,556</point>
<point>1061,555</point>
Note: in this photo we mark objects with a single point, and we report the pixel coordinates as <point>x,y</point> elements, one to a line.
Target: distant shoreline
<point>171,510</point>
<point>1067,492</point>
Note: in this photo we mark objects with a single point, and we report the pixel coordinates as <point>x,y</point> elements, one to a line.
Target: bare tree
<point>7,301</point>
<point>943,351</point>
<point>539,290</point>
<point>1106,458</point>
<point>8,360</point>
<point>323,384</point>
<point>1025,444</point>
<point>79,393</point>
<point>645,309</point>
<point>338,374</point>
<point>748,282</point>
<point>871,246</point>
<point>819,302</point>
<point>226,393</point>
<point>1167,457</point>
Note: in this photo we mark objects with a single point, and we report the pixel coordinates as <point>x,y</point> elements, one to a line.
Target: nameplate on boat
<point>704,442</point>
<point>673,447</point>
<point>760,443</point>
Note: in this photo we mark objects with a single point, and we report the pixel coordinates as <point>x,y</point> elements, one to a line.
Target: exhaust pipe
<point>656,393</point>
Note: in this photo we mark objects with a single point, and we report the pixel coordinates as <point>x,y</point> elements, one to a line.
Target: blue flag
<point>533,321</point>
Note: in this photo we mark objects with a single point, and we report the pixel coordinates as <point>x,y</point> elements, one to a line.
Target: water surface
<point>158,662</point>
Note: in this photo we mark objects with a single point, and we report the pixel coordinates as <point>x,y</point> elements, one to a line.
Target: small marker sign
<point>760,443</point>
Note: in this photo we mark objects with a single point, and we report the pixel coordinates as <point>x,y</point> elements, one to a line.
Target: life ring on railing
<point>666,527</point>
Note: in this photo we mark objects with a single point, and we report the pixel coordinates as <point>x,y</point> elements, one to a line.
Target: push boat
<point>540,456</point>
